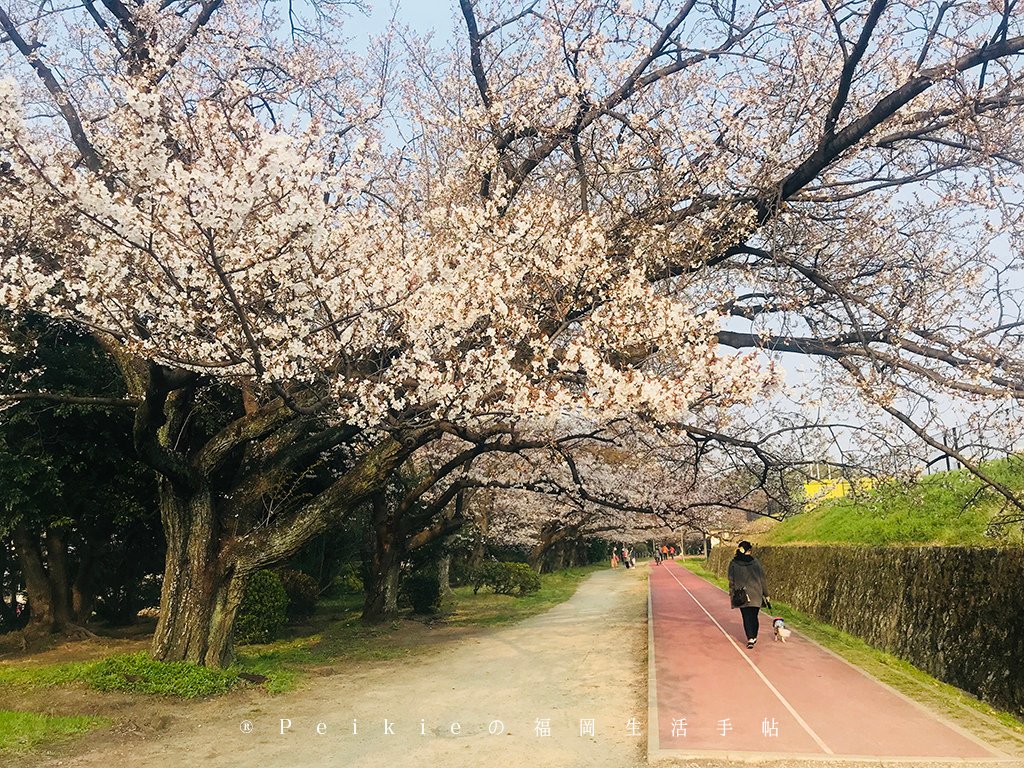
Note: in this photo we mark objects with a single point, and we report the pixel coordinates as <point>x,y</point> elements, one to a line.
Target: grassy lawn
<point>486,609</point>
<point>22,731</point>
<point>334,633</point>
<point>124,672</point>
<point>895,672</point>
<point>943,508</point>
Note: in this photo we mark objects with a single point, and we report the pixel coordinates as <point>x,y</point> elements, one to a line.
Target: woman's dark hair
<point>744,546</point>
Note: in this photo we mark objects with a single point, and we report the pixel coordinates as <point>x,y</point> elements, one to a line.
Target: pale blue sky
<point>421,16</point>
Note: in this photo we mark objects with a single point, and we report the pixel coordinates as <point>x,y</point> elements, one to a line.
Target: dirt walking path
<point>486,700</point>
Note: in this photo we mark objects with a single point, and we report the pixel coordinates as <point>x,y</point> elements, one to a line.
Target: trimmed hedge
<point>263,610</point>
<point>424,591</point>
<point>303,593</point>
<point>951,611</point>
<point>506,578</point>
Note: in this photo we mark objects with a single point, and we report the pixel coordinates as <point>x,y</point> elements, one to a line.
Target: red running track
<point>709,694</point>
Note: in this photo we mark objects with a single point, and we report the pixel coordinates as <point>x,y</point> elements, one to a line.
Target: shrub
<point>303,593</point>
<point>262,613</point>
<point>424,591</point>
<point>527,579</point>
<point>349,579</point>
<point>507,578</point>
<point>486,575</point>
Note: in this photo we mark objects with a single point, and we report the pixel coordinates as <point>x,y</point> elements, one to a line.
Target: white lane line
<point>746,657</point>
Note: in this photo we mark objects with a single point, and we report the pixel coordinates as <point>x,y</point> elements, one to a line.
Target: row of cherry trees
<point>578,215</point>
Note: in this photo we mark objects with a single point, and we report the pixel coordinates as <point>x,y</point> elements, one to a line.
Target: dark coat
<point>745,571</point>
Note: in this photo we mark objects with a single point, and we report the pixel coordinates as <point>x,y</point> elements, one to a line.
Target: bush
<point>506,578</point>
<point>424,591</point>
<point>263,610</point>
<point>599,551</point>
<point>527,580</point>
<point>349,579</point>
<point>303,593</point>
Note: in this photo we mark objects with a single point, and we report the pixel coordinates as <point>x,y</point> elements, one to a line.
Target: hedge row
<point>506,578</point>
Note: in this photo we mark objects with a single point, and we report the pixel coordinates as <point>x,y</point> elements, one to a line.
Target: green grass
<point>335,633</point>
<point>891,670</point>
<point>486,609</point>
<point>23,731</point>
<point>138,673</point>
<point>43,676</point>
<point>946,508</point>
<point>341,635</point>
<point>135,672</point>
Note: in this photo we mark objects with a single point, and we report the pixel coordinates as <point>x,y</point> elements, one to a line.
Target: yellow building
<point>817,491</point>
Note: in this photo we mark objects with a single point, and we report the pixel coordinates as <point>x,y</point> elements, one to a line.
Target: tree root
<point>78,632</point>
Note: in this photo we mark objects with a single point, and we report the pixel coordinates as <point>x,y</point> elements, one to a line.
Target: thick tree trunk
<point>385,565</point>
<point>476,557</point>
<point>83,592</point>
<point>202,588</point>
<point>37,583</point>
<point>549,537</point>
<point>382,592</point>
<point>444,570</point>
<point>57,573</point>
<point>8,586</point>
<point>212,548</point>
<point>536,557</point>
<point>484,512</point>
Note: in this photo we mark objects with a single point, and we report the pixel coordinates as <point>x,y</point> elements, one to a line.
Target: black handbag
<point>739,597</point>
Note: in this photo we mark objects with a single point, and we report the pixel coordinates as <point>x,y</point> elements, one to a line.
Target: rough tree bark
<point>208,561</point>
<point>385,563</point>
<point>202,587</point>
<point>37,583</point>
<point>397,531</point>
<point>212,491</point>
<point>48,582</point>
<point>444,571</point>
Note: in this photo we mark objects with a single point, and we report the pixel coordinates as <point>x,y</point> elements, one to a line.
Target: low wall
<point>955,612</point>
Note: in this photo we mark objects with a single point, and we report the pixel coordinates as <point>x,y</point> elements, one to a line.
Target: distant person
<point>615,558</point>
<point>746,574</point>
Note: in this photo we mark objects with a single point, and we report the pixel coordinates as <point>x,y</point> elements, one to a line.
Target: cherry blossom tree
<point>558,214</point>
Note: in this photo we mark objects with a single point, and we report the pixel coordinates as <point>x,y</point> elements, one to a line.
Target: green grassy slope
<point>944,508</point>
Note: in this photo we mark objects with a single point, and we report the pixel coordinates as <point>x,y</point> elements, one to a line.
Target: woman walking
<point>747,588</point>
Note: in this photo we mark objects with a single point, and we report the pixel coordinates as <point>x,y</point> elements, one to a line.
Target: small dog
<point>781,631</point>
